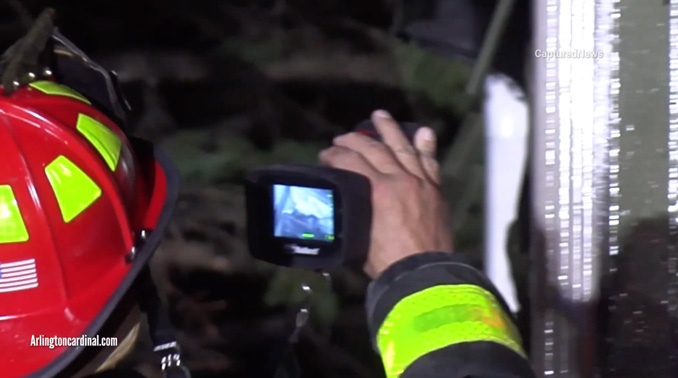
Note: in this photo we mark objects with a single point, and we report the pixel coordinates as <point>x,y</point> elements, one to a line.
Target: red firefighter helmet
<point>82,208</point>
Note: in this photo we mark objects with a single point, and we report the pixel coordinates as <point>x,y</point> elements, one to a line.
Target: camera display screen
<point>303,213</point>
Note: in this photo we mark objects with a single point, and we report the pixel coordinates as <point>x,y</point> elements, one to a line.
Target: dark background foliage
<point>226,86</point>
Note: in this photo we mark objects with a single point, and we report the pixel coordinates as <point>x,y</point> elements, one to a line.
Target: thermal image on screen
<point>303,213</point>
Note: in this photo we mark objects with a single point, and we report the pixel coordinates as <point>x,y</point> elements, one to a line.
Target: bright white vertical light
<point>673,150</point>
<point>506,134</point>
<point>580,130</point>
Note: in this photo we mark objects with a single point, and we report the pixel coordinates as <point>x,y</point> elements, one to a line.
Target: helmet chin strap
<point>45,54</point>
<point>161,330</point>
<point>28,58</point>
<point>73,68</point>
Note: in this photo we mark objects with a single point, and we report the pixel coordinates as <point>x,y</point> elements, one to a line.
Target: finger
<point>425,144</point>
<point>375,152</point>
<point>345,158</point>
<point>396,140</point>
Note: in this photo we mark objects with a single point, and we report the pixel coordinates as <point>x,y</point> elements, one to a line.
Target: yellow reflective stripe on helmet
<point>441,316</point>
<point>12,226</point>
<point>102,138</point>
<point>74,190</point>
<point>56,89</point>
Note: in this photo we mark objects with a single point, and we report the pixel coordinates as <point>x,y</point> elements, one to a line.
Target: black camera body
<point>312,217</point>
<point>308,216</point>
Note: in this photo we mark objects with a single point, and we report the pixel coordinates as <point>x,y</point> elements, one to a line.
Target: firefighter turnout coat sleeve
<point>432,315</point>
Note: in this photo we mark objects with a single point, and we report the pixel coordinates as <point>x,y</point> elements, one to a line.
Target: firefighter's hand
<point>409,215</point>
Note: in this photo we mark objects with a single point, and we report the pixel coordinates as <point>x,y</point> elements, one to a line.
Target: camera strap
<point>162,333</point>
<point>287,365</point>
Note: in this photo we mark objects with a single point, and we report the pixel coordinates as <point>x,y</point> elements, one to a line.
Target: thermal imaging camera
<point>311,217</point>
<point>308,216</point>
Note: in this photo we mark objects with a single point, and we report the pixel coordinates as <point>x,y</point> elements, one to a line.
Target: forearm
<point>432,315</point>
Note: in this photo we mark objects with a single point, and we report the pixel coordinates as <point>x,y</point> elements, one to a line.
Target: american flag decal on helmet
<point>18,275</point>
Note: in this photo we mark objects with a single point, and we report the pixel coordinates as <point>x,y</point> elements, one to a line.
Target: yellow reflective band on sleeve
<point>12,226</point>
<point>56,89</point>
<point>74,190</point>
<point>102,138</point>
<point>441,316</point>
